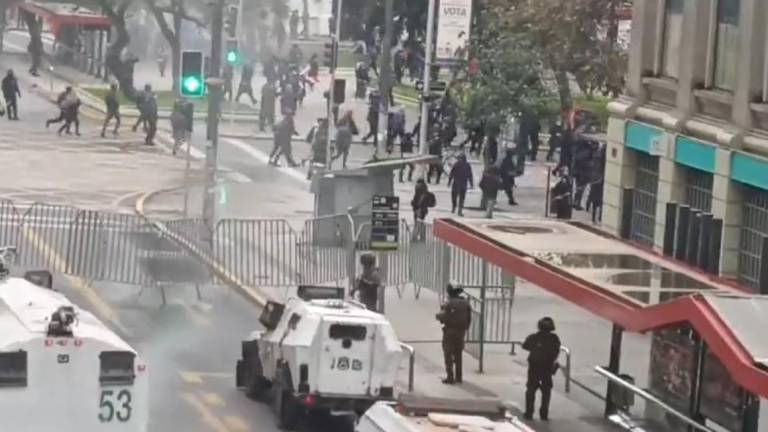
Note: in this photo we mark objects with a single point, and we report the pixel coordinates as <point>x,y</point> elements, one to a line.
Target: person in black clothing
<point>267,111</point>
<point>150,115</point>
<point>368,283</point>
<point>529,133</point>
<point>246,86</point>
<point>491,149</point>
<point>455,316</point>
<point>362,77</point>
<point>436,168</point>
<point>422,200</point>
<point>287,99</point>
<point>71,114</point>
<point>475,135</point>
<point>459,179</point>
<point>544,348</point>
<point>113,110</point>
<point>142,98</point>
<point>555,135</point>
<point>561,196</point>
<point>595,197</point>
<point>582,168</point>
<point>284,133</point>
<point>60,103</point>
<point>374,102</point>
<point>11,94</point>
<point>508,170</point>
<point>293,24</point>
<point>490,185</point>
<point>406,146</point>
<point>228,76</point>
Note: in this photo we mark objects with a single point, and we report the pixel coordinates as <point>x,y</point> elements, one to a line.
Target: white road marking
<point>264,158</point>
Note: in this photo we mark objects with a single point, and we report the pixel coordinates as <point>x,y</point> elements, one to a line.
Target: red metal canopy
<point>610,304</point>
<point>60,14</point>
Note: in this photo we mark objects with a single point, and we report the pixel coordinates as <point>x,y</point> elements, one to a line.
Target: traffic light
<point>192,82</point>
<point>329,55</point>
<point>230,22</point>
<point>232,52</point>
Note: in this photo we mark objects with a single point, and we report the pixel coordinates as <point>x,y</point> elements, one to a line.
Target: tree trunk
<point>35,47</point>
<point>121,70</point>
<point>305,19</point>
<point>563,89</point>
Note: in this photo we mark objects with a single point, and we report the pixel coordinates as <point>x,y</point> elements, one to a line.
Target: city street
<point>191,345</point>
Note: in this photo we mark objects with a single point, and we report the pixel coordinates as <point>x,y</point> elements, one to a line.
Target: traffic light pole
<point>336,37</point>
<point>423,139</point>
<point>214,110</point>
<point>385,84</point>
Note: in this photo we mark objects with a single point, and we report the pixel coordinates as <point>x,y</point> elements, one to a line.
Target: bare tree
<point>179,11</point>
<point>122,69</point>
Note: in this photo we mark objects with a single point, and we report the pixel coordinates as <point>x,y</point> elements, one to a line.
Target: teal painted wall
<point>749,170</point>
<point>695,154</point>
<point>639,136</point>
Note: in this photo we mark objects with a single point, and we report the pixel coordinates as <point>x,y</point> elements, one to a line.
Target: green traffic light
<point>232,57</point>
<point>192,85</point>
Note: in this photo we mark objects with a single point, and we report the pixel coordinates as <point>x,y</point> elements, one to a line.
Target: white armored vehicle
<point>319,353</point>
<point>61,369</point>
<point>413,413</point>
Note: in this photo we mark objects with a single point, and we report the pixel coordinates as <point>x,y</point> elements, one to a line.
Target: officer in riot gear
<point>543,347</point>
<point>455,316</point>
<point>368,282</point>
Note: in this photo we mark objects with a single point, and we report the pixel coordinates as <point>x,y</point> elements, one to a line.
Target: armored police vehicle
<point>319,353</point>
<point>413,413</point>
<point>61,369</point>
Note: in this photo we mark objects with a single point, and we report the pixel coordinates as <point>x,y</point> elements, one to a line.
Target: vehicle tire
<point>255,383</point>
<point>285,407</point>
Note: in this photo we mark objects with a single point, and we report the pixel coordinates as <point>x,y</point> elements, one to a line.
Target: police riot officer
<point>368,283</point>
<point>455,316</point>
<point>543,347</point>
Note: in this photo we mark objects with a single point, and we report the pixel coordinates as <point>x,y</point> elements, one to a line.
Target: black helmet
<point>453,290</point>
<point>367,260</point>
<point>546,324</point>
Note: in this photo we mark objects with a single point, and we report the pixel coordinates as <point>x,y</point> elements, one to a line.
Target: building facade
<point>692,130</point>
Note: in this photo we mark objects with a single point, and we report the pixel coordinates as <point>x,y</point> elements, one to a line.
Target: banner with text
<point>453,25</point>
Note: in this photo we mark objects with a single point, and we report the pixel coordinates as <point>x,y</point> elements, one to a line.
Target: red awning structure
<point>633,288</point>
<point>61,14</point>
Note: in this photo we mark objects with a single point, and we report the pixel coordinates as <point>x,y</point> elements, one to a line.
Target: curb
<point>249,293</point>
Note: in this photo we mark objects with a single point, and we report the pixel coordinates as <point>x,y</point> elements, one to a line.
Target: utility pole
<point>214,110</point>
<point>336,39</point>
<point>385,83</point>
<point>425,105</point>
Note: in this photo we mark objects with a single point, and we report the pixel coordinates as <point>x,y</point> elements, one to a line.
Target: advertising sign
<point>453,25</point>
<point>722,400</point>
<point>673,364</point>
<point>385,223</point>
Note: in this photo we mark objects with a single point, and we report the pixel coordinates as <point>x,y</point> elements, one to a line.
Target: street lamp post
<point>336,38</point>
<point>214,110</point>
<point>423,144</point>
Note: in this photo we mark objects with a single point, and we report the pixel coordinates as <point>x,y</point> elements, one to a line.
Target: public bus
<point>61,369</point>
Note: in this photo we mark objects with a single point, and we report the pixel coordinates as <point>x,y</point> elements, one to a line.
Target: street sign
<point>385,223</point>
<point>435,86</point>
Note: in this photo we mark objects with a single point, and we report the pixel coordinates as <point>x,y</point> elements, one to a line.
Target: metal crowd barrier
<point>95,245</point>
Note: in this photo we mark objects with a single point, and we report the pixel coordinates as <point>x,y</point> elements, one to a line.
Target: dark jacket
<point>508,170</point>
<point>543,348</point>
<point>268,96</point>
<point>10,87</point>
<point>461,175</point>
<point>419,203</point>
<point>113,105</point>
<point>284,131</point>
<point>490,185</point>
<point>345,130</point>
<point>455,315</point>
<point>150,107</point>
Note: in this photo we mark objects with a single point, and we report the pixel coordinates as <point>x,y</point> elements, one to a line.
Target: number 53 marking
<point>113,406</point>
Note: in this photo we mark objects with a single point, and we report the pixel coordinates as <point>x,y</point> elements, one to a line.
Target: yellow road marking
<point>213,399</point>
<point>236,424</point>
<point>191,378</point>
<point>101,307</point>
<point>206,415</point>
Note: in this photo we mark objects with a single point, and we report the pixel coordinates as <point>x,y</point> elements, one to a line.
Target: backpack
<point>430,200</point>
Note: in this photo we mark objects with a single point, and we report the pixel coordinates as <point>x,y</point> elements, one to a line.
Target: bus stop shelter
<point>81,34</point>
<point>708,334</point>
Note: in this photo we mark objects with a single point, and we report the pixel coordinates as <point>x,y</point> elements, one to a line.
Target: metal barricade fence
<point>259,252</point>
<point>491,323</point>
<point>323,249</point>
<point>427,260</point>
<point>395,265</point>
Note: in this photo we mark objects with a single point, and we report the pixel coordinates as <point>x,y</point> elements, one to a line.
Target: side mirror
<point>41,278</point>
